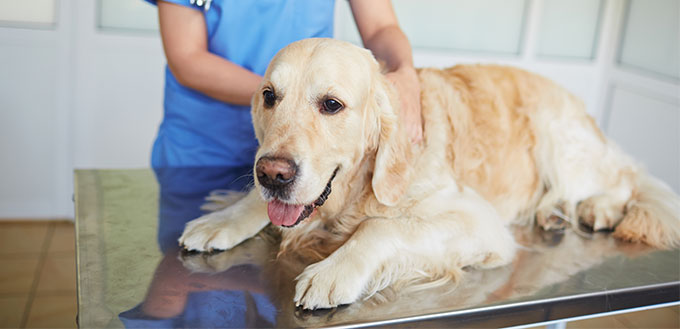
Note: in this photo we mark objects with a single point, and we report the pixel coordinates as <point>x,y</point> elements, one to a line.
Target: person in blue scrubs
<point>216,57</point>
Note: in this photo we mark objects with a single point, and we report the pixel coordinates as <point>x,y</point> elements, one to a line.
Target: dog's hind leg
<point>636,206</point>
<point>582,173</point>
<point>600,207</point>
<point>590,184</point>
<point>605,188</point>
<point>605,210</point>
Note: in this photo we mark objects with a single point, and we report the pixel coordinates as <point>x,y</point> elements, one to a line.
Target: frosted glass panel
<point>40,12</point>
<point>470,25</point>
<point>127,14</point>
<point>569,28</point>
<point>651,37</point>
<point>649,130</point>
<point>467,25</point>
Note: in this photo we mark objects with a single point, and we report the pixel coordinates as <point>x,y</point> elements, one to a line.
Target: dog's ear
<point>391,174</point>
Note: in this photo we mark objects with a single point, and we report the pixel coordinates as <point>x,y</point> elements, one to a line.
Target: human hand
<point>405,80</point>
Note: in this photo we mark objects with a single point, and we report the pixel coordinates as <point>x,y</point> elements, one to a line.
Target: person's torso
<point>199,130</point>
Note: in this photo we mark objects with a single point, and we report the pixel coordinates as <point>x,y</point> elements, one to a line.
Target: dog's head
<point>323,109</point>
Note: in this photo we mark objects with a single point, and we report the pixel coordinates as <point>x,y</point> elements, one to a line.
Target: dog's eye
<point>331,106</point>
<point>269,98</point>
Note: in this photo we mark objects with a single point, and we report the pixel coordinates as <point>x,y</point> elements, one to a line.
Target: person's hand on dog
<point>405,80</point>
<point>380,32</point>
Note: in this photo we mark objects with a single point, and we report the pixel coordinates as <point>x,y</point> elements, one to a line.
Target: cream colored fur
<point>501,146</point>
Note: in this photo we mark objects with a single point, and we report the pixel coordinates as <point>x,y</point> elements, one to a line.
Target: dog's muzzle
<point>289,215</point>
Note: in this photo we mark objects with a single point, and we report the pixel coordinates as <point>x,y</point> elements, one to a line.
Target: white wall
<point>81,83</point>
<point>34,114</point>
<point>118,79</point>
<point>73,94</point>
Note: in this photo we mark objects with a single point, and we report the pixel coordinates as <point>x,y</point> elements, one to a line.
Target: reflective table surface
<point>131,272</point>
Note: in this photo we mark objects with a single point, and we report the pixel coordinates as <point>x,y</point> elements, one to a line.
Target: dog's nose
<point>275,172</point>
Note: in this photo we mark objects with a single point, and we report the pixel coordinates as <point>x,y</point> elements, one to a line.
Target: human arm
<point>185,43</point>
<point>380,32</point>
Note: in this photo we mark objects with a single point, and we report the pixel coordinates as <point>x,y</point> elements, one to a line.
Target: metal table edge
<point>669,294</point>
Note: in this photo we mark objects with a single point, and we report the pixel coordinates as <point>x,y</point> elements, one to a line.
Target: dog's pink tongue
<point>283,214</point>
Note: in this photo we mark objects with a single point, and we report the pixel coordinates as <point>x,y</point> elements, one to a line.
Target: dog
<point>501,146</point>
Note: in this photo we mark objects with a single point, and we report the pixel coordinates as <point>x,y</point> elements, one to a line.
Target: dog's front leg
<point>224,229</point>
<point>384,250</point>
<point>341,278</point>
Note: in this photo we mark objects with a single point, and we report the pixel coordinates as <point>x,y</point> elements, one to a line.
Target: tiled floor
<point>37,275</point>
<point>38,282</point>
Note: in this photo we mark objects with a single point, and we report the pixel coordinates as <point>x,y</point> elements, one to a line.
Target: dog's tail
<point>652,214</point>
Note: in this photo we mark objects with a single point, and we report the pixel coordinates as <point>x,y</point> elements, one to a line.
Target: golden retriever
<point>336,171</point>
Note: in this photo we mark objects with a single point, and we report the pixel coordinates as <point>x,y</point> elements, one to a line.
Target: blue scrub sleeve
<point>185,3</point>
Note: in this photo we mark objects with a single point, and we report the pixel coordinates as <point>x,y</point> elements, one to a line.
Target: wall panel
<point>28,13</point>
<point>569,29</point>
<point>651,37</point>
<point>648,128</point>
<point>27,114</point>
<point>488,26</point>
<point>135,15</point>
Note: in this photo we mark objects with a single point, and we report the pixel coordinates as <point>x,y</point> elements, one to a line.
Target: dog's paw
<point>554,218</point>
<point>210,232</point>
<point>328,284</point>
<point>599,212</point>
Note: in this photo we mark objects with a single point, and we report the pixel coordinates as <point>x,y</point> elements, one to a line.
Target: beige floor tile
<point>58,275</point>
<point>11,311</point>
<point>22,237</point>
<point>676,308</point>
<point>600,322</point>
<point>52,312</point>
<point>63,240</point>
<point>16,275</point>
<point>658,318</point>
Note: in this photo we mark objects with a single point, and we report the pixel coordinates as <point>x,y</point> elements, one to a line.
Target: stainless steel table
<point>132,273</point>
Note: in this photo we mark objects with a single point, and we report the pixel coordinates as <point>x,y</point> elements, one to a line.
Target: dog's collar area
<point>307,211</point>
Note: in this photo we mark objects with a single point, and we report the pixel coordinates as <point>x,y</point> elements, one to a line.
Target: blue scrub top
<point>198,130</point>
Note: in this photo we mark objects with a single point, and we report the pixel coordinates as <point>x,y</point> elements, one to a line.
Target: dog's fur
<point>501,146</point>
